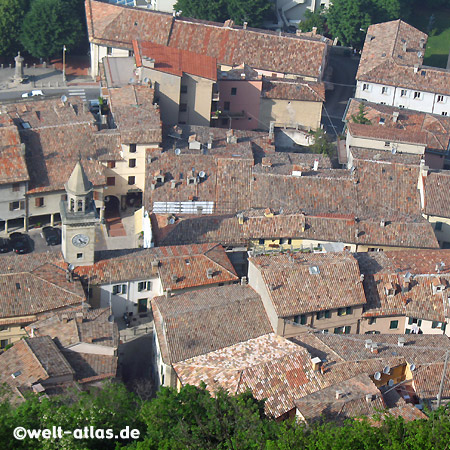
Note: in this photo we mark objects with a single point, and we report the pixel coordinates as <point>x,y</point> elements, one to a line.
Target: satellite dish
<point>202,174</point>
<point>171,221</point>
<point>131,81</point>
<point>412,367</point>
<point>63,98</point>
<point>391,383</point>
<point>146,80</point>
<point>177,151</point>
<point>386,370</point>
<point>111,318</point>
<point>377,376</point>
<point>71,267</point>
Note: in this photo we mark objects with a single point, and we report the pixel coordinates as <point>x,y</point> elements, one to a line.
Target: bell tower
<point>79,219</point>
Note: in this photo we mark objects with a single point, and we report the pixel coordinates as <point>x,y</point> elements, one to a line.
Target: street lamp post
<point>64,63</point>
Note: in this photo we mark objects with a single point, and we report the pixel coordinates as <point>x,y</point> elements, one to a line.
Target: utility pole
<point>441,387</point>
<point>64,64</point>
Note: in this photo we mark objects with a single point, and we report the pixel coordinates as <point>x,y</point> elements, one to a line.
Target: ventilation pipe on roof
<point>244,26</point>
<point>339,394</point>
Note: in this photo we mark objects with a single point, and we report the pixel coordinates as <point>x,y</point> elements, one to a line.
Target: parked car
<point>51,235</point>
<point>20,242</point>
<point>5,245</point>
<point>33,93</point>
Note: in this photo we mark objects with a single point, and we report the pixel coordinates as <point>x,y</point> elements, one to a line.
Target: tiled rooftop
<point>414,299</point>
<point>437,186</point>
<point>323,404</point>
<point>274,369</point>
<point>190,263</point>
<point>391,50</point>
<point>32,360</point>
<point>411,127</point>
<point>192,323</point>
<point>135,115</point>
<point>402,232</point>
<point>117,26</point>
<point>293,90</point>
<point>36,289</point>
<point>12,158</point>
<point>91,367</point>
<point>427,380</point>
<point>94,329</point>
<point>175,61</point>
<point>294,289</point>
<point>420,349</point>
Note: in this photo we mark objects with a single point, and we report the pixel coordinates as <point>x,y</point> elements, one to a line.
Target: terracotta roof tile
<point>274,369</point>
<point>36,291</point>
<point>323,404</point>
<point>437,185</point>
<point>135,115</point>
<point>294,289</point>
<point>391,50</point>
<point>293,90</point>
<point>12,158</point>
<point>32,360</point>
<point>114,25</point>
<point>175,61</point>
<point>189,263</point>
<point>192,323</point>
<point>430,130</point>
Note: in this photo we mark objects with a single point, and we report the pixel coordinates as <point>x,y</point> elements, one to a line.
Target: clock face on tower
<point>80,240</point>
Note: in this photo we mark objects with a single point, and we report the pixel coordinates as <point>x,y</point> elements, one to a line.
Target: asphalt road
<point>88,93</point>
<point>344,84</point>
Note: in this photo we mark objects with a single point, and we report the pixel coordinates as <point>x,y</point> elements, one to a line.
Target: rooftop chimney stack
<point>316,363</point>
<point>245,25</point>
<point>395,116</point>
<point>339,394</point>
<point>404,46</point>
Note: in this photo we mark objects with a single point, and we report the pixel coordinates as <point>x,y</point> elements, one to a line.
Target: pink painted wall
<point>247,98</point>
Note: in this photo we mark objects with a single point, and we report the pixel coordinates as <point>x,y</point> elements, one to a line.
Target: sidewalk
<point>50,76</point>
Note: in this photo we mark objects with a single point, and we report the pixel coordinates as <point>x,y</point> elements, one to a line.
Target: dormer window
<point>389,290</point>
<point>437,285</point>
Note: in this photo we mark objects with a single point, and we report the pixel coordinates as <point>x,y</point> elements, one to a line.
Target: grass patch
<point>438,30</point>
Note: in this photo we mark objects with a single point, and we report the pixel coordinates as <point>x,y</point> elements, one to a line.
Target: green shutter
<point>327,314</point>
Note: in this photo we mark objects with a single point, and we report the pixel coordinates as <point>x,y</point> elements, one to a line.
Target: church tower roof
<point>78,183</point>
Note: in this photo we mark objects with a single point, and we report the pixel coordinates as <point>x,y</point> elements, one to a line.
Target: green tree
<point>252,11</point>
<point>348,20</point>
<point>193,419</point>
<point>361,116</point>
<point>313,19</point>
<point>12,13</point>
<point>321,144</point>
<point>48,26</point>
<point>215,11</point>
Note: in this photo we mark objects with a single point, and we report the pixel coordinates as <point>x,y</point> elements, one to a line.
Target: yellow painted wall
<point>307,114</point>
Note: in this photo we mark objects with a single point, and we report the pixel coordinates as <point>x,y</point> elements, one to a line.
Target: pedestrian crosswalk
<point>78,93</point>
